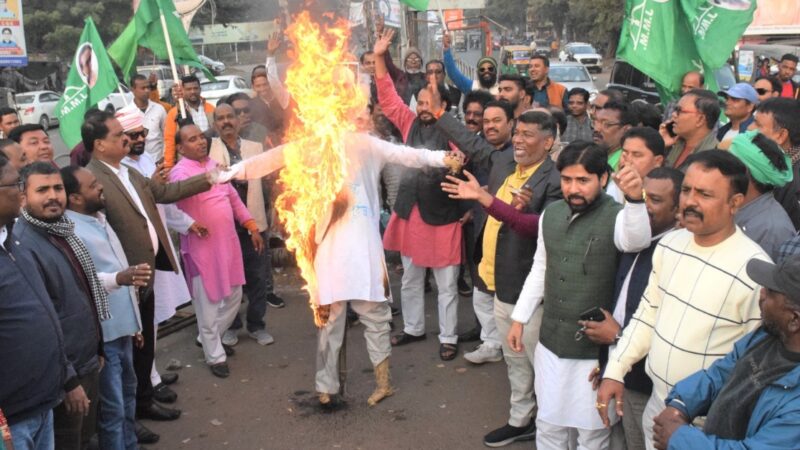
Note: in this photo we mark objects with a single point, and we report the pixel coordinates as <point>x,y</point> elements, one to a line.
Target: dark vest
<point>422,187</point>
<point>581,263</point>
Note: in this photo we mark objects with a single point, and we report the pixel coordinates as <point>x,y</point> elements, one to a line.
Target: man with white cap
<point>740,103</point>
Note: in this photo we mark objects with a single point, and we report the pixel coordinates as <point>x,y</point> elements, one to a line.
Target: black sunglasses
<point>137,134</point>
<point>762,91</point>
<point>486,69</point>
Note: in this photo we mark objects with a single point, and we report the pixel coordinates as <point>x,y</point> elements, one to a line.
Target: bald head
<point>692,80</point>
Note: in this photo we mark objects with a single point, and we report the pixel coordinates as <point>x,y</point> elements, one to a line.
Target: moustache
<point>691,211</point>
<point>490,130</point>
<point>472,122</point>
<point>576,197</point>
<point>53,203</point>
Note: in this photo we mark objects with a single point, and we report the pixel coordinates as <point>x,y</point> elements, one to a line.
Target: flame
<point>326,97</point>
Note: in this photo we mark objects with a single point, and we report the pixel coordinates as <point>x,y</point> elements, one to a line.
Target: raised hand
<point>383,42</point>
<point>629,182</point>
<point>273,43</point>
<point>445,40</point>
<point>462,190</point>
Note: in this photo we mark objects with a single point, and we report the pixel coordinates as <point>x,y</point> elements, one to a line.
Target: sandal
<point>448,352</point>
<point>404,338</point>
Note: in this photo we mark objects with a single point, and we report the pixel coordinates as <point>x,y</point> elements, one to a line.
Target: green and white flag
<point>667,38</point>
<point>91,79</point>
<point>145,30</point>
<point>716,26</point>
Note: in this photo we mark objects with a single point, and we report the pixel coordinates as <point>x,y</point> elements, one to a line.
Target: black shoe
<point>404,338</point>
<point>229,351</point>
<point>275,301</point>
<point>221,370</point>
<point>463,288</point>
<point>163,394</point>
<point>169,378</point>
<point>470,336</point>
<point>158,412</point>
<point>144,435</point>
<point>507,434</point>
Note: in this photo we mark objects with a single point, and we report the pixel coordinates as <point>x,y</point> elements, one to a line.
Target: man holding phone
<point>691,128</point>
<point>580,242</point>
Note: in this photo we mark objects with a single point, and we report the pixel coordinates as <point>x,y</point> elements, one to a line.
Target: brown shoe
<point>383,380</point>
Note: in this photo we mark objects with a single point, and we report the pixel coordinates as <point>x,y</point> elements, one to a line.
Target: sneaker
<point>463,288</point>
<point>507,434</point>
<point>262,337</point>
<point>230,338</point>
<point>484,354</point>
<point>275,301</point>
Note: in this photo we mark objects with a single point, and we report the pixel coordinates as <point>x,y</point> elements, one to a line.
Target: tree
<point>509,13</point>
<point>597,21</point>
<point>555,12</point>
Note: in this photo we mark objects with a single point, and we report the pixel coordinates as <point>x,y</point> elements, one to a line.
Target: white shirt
<point>278,89</point>
<point>155,117</point>
<point>122,175</point>
<point>3,236</point>
<point>199,116</point>
<point>631,234</point>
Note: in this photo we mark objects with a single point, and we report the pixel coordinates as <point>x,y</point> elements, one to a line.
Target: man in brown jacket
<point>131,211</point>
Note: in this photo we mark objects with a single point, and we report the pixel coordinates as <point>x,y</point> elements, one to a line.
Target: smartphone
<point>594,314</point>
<point>671,128</point>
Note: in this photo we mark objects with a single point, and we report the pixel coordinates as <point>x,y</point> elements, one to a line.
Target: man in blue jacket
<point>751,397</point>
<point>29,330</point>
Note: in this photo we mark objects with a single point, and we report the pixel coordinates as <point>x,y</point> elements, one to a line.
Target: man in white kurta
<point>349,261</point>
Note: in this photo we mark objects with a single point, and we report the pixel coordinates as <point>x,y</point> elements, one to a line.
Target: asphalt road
<point>269,401</point>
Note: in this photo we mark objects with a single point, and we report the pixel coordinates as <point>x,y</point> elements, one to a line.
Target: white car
<point>225,85</point>
<point>38,107</point>
<point>572,75</point>
<point>583,53</point>
<point>116,100</point>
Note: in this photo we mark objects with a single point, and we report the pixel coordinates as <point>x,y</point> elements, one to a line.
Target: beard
<point>487,80</point>
<point>579,208</point>
<point>137,149</point>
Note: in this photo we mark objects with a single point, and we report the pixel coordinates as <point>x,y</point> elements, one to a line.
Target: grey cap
<point>783,277</point>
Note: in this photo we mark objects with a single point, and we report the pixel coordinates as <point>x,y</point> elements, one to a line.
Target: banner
<point>91,79</point>
<point>390,10</point>
<point>233,33</point>
<point>717,25</point>
<point>12,35</point>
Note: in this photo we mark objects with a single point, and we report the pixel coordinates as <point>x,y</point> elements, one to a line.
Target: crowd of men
<point>636,269</point>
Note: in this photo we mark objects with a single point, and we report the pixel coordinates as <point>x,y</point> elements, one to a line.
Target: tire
<point>44,122</point>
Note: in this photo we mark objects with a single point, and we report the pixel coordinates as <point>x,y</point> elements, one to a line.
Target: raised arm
<point>463,83</point>
<point>280,91</point>
<point>391,103</point>
<point>474,146</point>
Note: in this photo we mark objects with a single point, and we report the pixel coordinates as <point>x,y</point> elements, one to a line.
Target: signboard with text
<point>12,35</point>
<point>233,33</point>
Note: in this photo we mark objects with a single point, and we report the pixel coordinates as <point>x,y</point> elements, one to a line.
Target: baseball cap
<point>743,91</point>
<point>783,277</point>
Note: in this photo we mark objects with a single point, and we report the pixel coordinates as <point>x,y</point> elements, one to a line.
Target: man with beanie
<point>761,217</point>
<point>487,72</point>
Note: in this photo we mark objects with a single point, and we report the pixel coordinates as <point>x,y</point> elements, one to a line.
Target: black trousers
<point>143,357</point>
<point>73,431</point>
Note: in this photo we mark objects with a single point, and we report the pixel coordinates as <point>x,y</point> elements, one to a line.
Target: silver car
<point>572,75</point>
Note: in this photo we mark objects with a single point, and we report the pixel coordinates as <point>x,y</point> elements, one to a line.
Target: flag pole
<point>181,104</point>
<point>122,93</point>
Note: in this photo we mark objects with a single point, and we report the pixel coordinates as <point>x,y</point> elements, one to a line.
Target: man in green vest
<point>577,254</point>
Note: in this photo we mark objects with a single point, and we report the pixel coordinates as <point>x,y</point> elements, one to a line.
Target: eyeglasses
<point>431,72</point>
<point>763,91</point>
<point>486,69</point>
<point>138,134</point>
<point>240,111</point>
<point>19,184</point>
<point>678,111</point>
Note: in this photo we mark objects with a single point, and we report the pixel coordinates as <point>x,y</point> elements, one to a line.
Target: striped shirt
<point>698,302</point>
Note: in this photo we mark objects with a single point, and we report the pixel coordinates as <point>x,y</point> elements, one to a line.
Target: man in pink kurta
<point>213,262</point>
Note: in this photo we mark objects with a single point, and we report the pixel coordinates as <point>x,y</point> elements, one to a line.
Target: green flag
<point>146,30</point>
<point>664,41</point>
<point>716,26</point>
<point>419,5</point>
<point>91,79</point>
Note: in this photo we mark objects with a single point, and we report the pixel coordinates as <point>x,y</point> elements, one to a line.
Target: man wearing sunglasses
<point>691,129</point>
<point>487,72</point>
<point>740,103</point>
<point>248,129</point>
<point>767,87</point>
<point>154,116</point>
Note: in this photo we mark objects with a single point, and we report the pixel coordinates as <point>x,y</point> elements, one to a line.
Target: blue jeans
<point>34,433</point>
<point>116,422</point>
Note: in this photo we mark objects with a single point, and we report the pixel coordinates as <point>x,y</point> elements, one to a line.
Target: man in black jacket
<point>76,293</point>
<point>29,330</point>
<point>662,188</point>
<point>507,255</point>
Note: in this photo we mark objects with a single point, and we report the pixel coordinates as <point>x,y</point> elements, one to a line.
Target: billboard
<point>233,33</point>
<point>775,17</point>
<point>12,35</point>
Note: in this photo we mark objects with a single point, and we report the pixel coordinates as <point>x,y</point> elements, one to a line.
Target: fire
<point>315,163</point>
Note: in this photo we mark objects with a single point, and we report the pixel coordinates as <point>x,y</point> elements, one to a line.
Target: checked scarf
<point>65,228</point>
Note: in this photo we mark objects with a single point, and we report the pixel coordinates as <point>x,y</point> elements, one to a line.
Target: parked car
<point>572,75</point>
<point>216,67</point>
<point>116,100</point>
<point>38,107</point>
<point>224,86</point>
<point>635,85</point>
<point>583,53</point>
<point>515,59</point>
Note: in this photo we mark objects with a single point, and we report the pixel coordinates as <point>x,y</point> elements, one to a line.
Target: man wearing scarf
<point>761,217</point>
<point>425,226</point>
<point>79,298</point>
